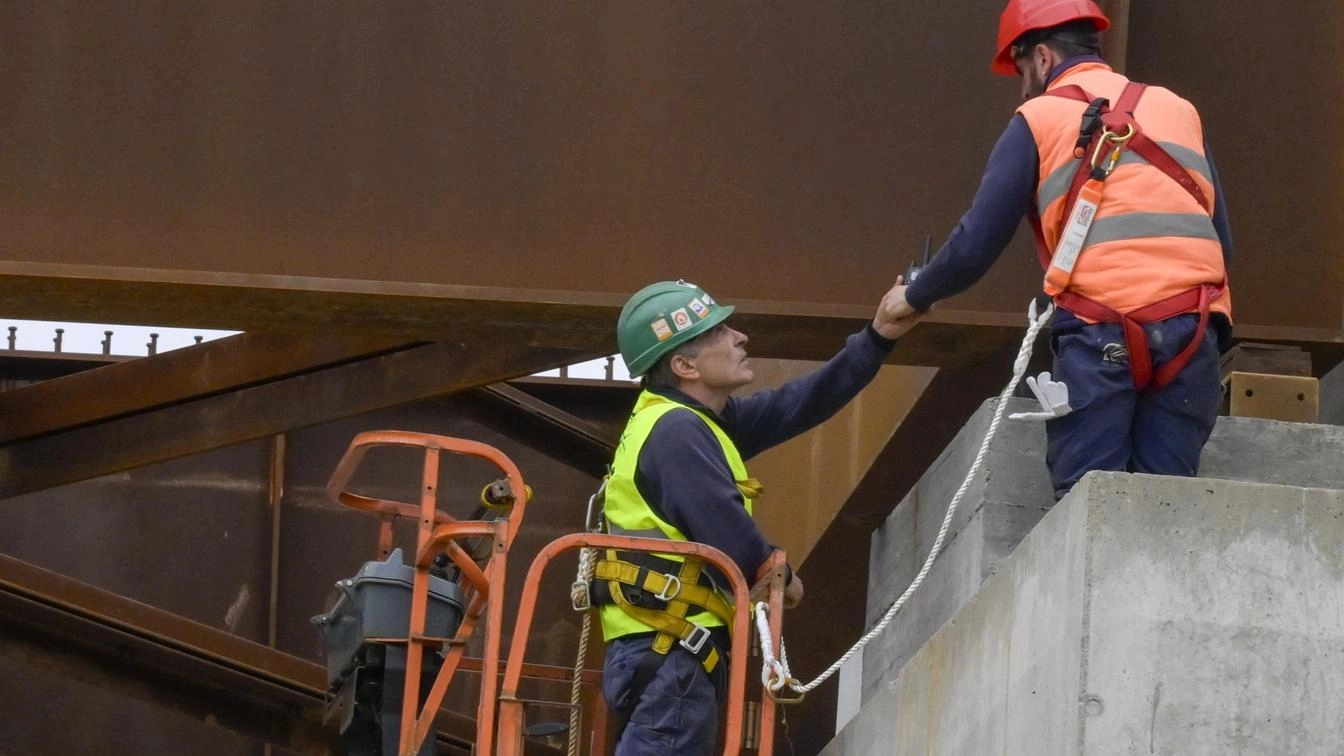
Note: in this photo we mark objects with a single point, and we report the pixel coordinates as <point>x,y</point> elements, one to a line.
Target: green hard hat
<point>661,317</point>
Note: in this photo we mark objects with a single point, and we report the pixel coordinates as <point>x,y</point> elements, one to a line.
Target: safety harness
<point>661,593</point>
<point>1105,129</point>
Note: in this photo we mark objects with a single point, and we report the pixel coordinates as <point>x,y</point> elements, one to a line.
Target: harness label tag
<point>1073,238</point>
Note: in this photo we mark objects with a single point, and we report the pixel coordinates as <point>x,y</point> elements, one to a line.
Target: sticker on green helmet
<point>661,317</point>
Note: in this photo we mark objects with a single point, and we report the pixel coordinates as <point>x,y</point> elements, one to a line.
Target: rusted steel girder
<point>431,370</point>
<point>148,654</point>
<point>140,385</point>
<point>600,146</point>
<point>152,655</point>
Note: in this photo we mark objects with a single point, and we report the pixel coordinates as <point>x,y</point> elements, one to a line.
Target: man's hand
<point>895,317</point>
<point>793,592</point>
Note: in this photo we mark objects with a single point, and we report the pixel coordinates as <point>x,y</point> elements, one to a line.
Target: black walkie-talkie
<point>913,271</point>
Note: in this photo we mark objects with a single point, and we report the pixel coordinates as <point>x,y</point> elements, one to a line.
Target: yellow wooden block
<point>1293,398</point>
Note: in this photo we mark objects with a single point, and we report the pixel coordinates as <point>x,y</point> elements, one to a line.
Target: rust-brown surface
<point>795,153</point>
<point>403,200</point>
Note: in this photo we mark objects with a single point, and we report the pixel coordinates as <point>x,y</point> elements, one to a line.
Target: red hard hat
<point>1022,16</point>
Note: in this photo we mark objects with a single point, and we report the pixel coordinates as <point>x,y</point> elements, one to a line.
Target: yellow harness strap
<point>681,593</point>
<point>674,590</point>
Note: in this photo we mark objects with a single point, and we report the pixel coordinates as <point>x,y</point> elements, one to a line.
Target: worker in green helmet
<point>679,474</point>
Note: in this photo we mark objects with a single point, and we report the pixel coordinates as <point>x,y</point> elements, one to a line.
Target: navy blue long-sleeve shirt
<point>1006,194</point>
<point>684,476</point>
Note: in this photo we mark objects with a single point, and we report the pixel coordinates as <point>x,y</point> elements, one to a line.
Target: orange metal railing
<point>439,532</point>
<point>511,708</point>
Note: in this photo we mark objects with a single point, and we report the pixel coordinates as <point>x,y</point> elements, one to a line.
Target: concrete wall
<point>1143,615</point>
<point>1011,494</point>
<point>1007,498</point>
<point>1332,396</point>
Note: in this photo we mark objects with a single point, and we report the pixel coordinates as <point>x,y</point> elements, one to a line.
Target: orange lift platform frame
<point>439,532</point>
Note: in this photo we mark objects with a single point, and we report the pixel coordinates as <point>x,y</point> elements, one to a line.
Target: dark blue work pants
<point>1114,427</point>
<point>678,712</point>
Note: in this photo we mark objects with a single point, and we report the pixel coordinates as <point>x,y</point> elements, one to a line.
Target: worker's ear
<point>1043,59</point>
<point>683,367</point>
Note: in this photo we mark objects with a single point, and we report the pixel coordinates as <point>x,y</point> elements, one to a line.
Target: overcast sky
<point>87,338</point>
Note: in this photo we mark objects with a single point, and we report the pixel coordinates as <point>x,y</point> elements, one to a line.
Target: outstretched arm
<point>1005,195</point>
<point>767,418</point>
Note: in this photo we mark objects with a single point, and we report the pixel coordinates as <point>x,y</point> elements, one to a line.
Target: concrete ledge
<point>1144,614</point>
<point>1009,497</point>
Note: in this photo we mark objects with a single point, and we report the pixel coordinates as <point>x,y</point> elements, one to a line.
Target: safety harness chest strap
<point>661,589</point>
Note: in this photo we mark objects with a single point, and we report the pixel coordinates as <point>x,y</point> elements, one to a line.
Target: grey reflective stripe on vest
<point>1057,184</point>
<point>1149,225</point>
<point>649,533</point>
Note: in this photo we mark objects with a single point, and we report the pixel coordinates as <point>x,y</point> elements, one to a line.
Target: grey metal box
<point>376,603</point>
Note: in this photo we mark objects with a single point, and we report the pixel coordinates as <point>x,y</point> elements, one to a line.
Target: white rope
<point>587,562</point>
<point>773,673</point>
<point>776,672</point>
<point>580,597</point>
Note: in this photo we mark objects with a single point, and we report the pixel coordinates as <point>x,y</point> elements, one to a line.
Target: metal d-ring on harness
<point>1117,142</point>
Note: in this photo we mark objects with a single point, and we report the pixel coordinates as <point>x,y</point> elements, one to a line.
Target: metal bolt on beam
<point>60,335</point>
<point>12,331</point>
<point>153,344</point>
<point>107,342</point>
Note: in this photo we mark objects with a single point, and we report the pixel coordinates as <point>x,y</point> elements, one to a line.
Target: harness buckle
<point>671,588</point>
<point>696,640</point>
<point>581,596</point>
<point>1091,122</point>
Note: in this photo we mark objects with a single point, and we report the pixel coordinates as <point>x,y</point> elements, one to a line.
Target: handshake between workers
<point>895,317</point>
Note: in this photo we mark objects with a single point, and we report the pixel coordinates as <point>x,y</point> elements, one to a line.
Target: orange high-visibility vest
<point>1152,251</point>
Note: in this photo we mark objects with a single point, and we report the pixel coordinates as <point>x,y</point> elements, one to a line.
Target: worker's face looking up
<point>717,359</point>
<point>1034,63</point>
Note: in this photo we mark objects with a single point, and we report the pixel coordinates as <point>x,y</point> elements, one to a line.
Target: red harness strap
<point>1136,340</point>
<point>1197,298</point>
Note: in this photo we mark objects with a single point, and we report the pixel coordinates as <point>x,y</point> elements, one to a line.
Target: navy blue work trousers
<point>1113,426</point>
<point>678,712</point>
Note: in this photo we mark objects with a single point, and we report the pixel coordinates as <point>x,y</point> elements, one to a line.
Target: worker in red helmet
<point>1120,188</point>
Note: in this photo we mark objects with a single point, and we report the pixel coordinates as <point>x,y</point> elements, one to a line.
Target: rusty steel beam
<point>576,426</point>
<point>475,314</point>
<point>1115,40</point>
<point>799,168</point>
<point>270,408</point>
<point>298,304</point>
<point>204,370</point>
<point>162,658</point>
<point>547,428</point>
<point>145,653</point>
